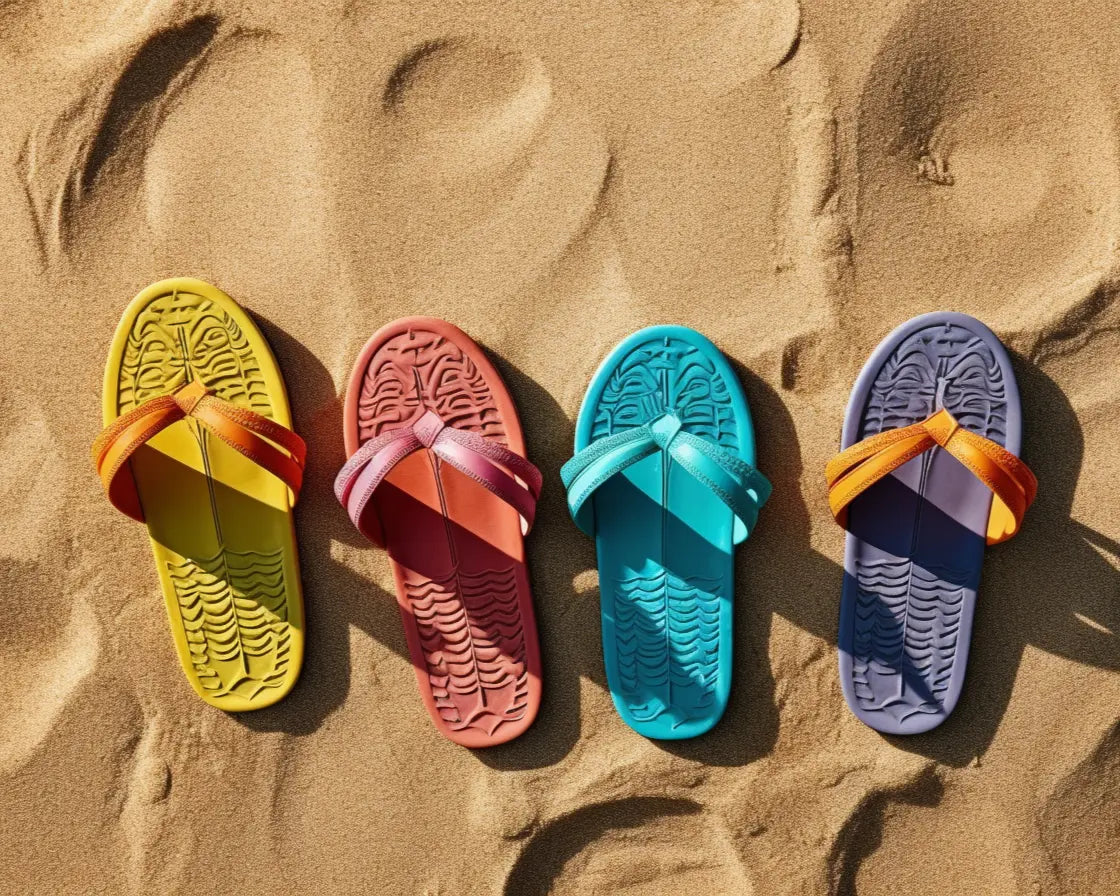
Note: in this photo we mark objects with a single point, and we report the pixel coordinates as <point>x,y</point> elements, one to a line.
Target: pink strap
<point>363,473</point>
<point>471,454</point>
<point>478,458</point>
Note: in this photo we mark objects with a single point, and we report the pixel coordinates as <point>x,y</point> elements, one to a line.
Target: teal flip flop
<point>663,479</point>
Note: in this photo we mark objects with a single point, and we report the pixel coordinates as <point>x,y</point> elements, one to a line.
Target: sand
<point>792,181</point>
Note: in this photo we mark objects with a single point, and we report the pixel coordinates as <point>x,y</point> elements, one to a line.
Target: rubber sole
<point>916,539</point>
<point>664,540</point>
<point>220,526</point>
<point>456,549</point>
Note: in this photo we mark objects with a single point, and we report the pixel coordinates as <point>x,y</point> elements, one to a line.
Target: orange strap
<point>263,441</point>
<point>855,469</point>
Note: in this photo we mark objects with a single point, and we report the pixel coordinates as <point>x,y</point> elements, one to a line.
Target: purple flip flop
<point>928,475</point>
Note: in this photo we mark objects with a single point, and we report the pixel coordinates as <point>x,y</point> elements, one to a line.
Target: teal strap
<point>739,485</point>
<point>598,462</point>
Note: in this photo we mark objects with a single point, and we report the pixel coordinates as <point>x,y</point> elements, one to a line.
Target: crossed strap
<point>495,467</point>
<point>739,485</point>
<point>854,470</point>
<point>265,442</point>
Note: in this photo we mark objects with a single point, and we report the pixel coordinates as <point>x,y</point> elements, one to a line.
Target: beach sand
<point>793,182</point>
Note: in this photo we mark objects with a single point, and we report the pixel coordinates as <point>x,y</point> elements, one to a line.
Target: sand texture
<point>792,181</point>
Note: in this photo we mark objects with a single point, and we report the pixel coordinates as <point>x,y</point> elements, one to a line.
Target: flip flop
<point>198,445</point>
<point>663,480</point>
<point>928,474</point>
<point>437,476</point>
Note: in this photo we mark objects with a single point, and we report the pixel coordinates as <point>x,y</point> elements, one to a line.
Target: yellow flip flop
<point>198,444</point>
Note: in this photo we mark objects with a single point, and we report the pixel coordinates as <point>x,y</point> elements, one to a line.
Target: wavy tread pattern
<point>907,618</point>
<point>667,643</point>
<point>907,626</point>
<point>667,627</point>
<point>474,646</point>
<point>234,610</point>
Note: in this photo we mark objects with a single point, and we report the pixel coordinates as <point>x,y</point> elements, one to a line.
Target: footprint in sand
<point>190,141</point>
<point>1080,823</point>
<point>463,109</point>
<point>237,158</point>
<point>702,162</point>
<point>969,150</point>
<point>83,161</point>
<point>642,846</point>
<point>50,638</point>
<point>898,841</point>
<point>479,171</point>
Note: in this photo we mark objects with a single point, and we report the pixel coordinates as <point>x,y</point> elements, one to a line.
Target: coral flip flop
<point>437,476</point>
<point>663,480</point>
<point>928,474</point>
<point>198,445</point>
